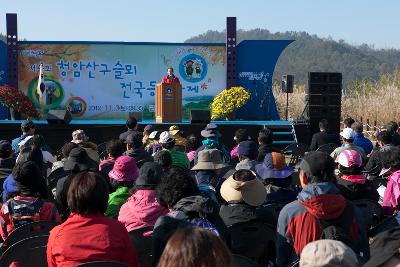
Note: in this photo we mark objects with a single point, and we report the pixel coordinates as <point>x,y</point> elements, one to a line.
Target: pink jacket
<point>234,152</point>
<point>391,197</point>
<point>140,210</point>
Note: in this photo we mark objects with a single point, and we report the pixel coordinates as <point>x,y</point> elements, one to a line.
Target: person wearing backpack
<point>320,212</point>
<point>28,205</point>
<point>179,193</point>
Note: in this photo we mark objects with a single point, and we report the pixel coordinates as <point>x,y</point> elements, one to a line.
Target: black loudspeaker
<point>137,115</point>
<point>59,116</point>
<point>287,83</point>
<point>324,99</point>
<point>200,116</point>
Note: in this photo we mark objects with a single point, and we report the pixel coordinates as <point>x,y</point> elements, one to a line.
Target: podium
<point>168,102</point>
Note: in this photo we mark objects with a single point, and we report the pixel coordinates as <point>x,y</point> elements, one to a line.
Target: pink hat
<point>348,158</point>
<point>124,169</point>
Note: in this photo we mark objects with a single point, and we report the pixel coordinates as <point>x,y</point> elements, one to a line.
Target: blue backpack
<point>21,212</point>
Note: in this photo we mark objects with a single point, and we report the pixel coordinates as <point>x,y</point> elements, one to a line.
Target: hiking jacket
<point>238,212</point>
<point>391,197</point>
<point>140,210</point>
<point>340,149</point>
<point>115,201</point>
<point>189,207</point>
<point>179,159</point>
<point>364,143</point>
<point>86,238</point>
<point>355,191</point>
<point>298,222</point>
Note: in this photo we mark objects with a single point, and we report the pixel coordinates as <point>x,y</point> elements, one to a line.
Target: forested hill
<point>312,53</point>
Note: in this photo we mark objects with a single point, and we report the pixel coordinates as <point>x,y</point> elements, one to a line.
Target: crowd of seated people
<point>202,203</point>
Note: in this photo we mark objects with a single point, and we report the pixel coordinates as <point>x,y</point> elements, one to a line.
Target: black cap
<point>78,160</point>
<point>149,175</point>
<point>384,246</point>
<point>317,164</point>
<point>248,148</point>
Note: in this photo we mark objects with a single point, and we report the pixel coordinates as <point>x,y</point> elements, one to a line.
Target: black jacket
<point>124,135</point>
<point>235,212</point>
<point>185,209</point>
<point>354,191</point>
<point>323,138</point>
<point>6,167</point>
<point>140,155</point>
<point>375,162</point>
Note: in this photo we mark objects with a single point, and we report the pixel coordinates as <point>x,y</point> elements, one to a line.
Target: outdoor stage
<point>285,132</point>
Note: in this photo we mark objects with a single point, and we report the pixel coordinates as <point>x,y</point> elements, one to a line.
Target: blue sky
<point>356,21</point>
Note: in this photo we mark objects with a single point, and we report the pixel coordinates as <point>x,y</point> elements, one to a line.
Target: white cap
<point>348,133</point>
<point>153,135</point>
<point>166,137</point>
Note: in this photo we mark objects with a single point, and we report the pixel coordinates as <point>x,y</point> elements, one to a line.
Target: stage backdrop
<point>107,80</point>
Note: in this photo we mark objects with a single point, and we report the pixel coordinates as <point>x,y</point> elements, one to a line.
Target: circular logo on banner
<point>54,92</point>
<point>76,105</point>
<point>193,68</point>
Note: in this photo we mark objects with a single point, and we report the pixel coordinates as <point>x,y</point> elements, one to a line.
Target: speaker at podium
<point>168,102</point>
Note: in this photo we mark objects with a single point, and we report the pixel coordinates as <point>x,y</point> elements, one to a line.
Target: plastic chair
<point>28,252</point>
<point>242,261</point>
<point>296,152</point>
<point>143,245</point>
<point>253,240</point>
<point>372,212</point>
<point>28,230</point>
<point>102,264</point>
<point>327,148</point>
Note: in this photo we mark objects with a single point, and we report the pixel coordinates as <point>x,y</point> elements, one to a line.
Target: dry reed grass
<point>374,100</point>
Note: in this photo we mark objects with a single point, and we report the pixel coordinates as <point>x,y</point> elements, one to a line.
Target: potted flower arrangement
<point>225,104</point>
<point>18,102</point>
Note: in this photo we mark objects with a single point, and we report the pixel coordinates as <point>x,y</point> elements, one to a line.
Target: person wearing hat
<point>247,153</point>
<point>7,161</point>
<point>154,146</point>
<point>132,126</point>
<point>28,205</point>
<point>385,249</point>
<point>328,253</point>
<point>375,163</point>
<point>28,129</point>
<point>142,208</point>
<point>277,179</point>
<point>240,136</point>
<point>180,141</point>
<point>135,149</point>
<point>148,129</point>
<point>122,178</point>
<point>78,160</point>
<point>208,172</point>
<point>351,181</point>
<point>179,159</point>
<point>347,137</point>
<point>243,193</point>
<point>300,222</point>
<point>212,135</point>
<point>80,138</point>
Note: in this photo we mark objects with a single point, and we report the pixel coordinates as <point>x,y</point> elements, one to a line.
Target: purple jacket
<point>140,210</point>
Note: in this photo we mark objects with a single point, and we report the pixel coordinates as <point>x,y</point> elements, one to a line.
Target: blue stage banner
<point>256,60</point>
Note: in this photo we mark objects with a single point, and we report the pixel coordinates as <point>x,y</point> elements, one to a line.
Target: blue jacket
<point>9,187</point>
<point>15,142</point>
<point>363,142</point>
